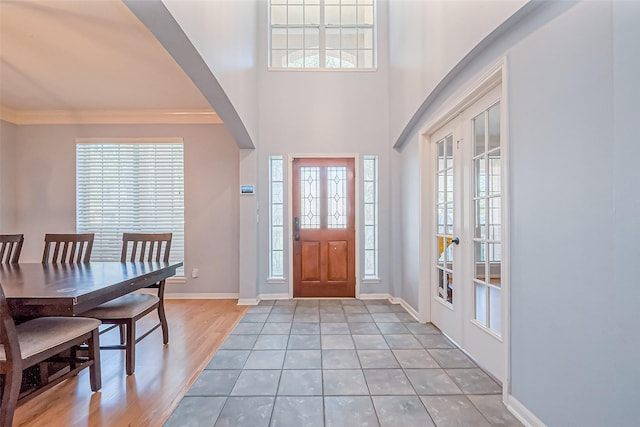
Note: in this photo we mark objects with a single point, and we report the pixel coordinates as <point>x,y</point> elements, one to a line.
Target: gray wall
<point>224,34</point>
<point>427,39</point>
<point>319,112</point>
<point>43,183</point>
<point>7,150</point>
<point>574,205</point>
<point>406,214</point>
<point>623,292</point>
<point>569,133</point>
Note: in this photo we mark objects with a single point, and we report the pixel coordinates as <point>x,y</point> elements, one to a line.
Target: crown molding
<point>94,117</point>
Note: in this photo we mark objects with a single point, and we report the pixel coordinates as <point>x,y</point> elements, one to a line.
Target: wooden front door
<point>323,228</point>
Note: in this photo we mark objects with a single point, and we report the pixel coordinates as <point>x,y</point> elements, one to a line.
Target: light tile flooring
<point>308,363</point>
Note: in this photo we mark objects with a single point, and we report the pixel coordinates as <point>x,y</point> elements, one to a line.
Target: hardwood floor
<point>163,374</point>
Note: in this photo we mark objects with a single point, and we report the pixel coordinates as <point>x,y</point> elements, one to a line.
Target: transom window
<point>322,33</point>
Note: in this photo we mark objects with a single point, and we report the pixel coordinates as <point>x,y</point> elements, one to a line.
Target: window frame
<point>114,246</point>
<point>322,29</point>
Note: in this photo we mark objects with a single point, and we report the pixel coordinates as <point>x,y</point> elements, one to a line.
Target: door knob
<point>456,240</point>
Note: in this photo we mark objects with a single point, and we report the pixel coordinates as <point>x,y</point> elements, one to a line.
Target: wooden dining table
<point>36,289</point>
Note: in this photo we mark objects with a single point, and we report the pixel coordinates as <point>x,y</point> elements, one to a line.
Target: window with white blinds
<point>130,187</point>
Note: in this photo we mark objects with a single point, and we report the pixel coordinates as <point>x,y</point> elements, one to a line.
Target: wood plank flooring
<point>163,374</point>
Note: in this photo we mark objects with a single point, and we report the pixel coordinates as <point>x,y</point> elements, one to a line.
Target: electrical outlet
<point>194,272</point>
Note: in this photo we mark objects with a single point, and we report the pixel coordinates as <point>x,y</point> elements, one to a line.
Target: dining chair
<point>10,248</point>
<point>67,248</point>
<point>125,311</point>
<point>37,342</point>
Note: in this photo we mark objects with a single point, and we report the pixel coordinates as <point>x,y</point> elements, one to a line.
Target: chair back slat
<point>146,247</point>
<point>67,248</point>
<point>10,248</point>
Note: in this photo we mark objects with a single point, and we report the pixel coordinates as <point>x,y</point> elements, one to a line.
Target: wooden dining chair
<point>37,342</point>
<point>128,309</point>
<point>10,248</point>
<point>67,248</point>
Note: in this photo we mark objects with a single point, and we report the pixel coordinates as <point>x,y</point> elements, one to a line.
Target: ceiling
<point>86,57</point>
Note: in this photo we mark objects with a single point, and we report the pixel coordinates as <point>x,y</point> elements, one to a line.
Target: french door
<point>467,261</point>
<point>323,192</point>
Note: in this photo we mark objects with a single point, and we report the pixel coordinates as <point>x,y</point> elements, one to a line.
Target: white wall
<point>574,205</point>
<point>320,112</point>
<point>224,33</point>
<point>428,38</point>
<point>44,189</point>
<point>7,149</point>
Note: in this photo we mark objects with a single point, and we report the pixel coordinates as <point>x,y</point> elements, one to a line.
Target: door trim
<point>492,76</point>
<point>289,238</point>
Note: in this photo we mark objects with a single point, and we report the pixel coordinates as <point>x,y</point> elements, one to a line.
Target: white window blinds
<point>129,187</point>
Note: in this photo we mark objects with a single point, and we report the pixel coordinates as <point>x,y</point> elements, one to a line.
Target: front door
<point>323,227</point>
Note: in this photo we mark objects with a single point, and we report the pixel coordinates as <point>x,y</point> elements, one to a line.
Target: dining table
<point>38,289</point>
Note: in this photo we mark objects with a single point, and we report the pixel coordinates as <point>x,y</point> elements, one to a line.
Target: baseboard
<point>388,297</point>
<point>407,307</point>
<point>376,296</point>
<point>200,296</point>
<point>273,296</point>
<point>524,415</point>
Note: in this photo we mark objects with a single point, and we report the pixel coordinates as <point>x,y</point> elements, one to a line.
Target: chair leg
<point>95,375</point>
<point>73,358</point>
<point>122,334</point>
<point>130,351</point>
<point>163,323</point>
<point>12,382</point>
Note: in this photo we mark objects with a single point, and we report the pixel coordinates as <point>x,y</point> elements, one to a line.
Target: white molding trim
<point>388,297</point>
<point>524,415</point>
<point>8,115</point>
<point>412,311</point>
<point>273,296</point>
<point>465,96</point>
<point>93,117</point>
<point>177,295</point>
<point>248,301</point>
<point>256,300</point>
<point>393,300</point>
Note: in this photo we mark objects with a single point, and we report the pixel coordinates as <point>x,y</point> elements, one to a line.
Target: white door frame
<point>496,74</point>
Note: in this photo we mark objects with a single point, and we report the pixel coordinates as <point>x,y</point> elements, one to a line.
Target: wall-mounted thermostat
<point>247,190</point>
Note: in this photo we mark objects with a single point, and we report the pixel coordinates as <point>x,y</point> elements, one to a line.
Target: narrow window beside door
<point>276,218</point>
<point>370,182</point>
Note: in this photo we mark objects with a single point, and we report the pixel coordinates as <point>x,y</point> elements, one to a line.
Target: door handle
<point>456,240</point>
<point>296,228</point>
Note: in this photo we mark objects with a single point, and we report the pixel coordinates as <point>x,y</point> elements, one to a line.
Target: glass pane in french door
<point>444,213</point>
<point>487,219</point>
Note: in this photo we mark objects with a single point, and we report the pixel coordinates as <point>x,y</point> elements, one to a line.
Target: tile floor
<point>308,363</point>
